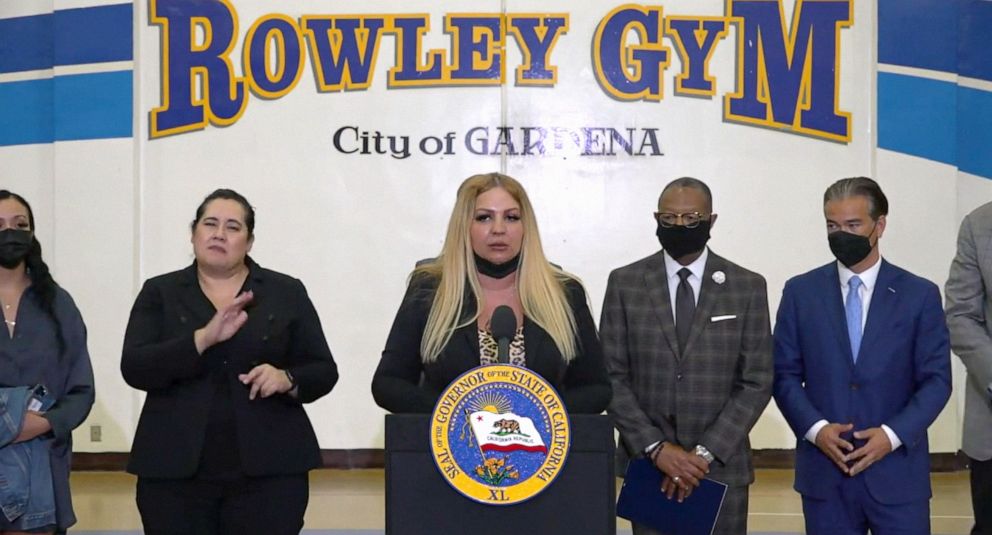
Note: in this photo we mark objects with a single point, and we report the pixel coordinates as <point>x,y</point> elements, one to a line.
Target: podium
<point>582,499</point>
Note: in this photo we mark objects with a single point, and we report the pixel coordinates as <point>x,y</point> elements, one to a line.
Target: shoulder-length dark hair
<point>42,283</point>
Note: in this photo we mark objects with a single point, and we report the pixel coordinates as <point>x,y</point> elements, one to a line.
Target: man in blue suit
<point>862,368</point>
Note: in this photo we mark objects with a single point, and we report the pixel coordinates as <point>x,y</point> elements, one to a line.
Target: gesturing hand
<point>683,469</point>
<point>830,442</point>
<point>224,324</point>
<point>266,380</point>
<point>878,446</point>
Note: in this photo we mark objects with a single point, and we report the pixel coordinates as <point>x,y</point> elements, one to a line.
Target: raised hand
<point>224,324</point>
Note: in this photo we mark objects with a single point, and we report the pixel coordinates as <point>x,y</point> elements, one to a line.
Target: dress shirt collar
<point>868,276</point>
<point>697,267</point>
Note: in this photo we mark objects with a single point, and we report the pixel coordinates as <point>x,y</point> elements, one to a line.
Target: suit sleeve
<point>153,359</point>
<point>587,386</point>
<point>636,428</point>
<point>966,296</point>
<point>753,384</point>
<point>311,362</point>
<point>932,372</point>
<point>74,405</point>
<point>790,368</point>
<point>396,383</point>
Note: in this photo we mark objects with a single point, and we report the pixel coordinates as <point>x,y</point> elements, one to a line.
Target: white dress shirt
<point>868,278</point>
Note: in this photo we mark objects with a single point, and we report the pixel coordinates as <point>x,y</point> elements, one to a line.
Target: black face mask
<point>14,247</point>
<point>679,241</point>
<point>849,248</point>
<point>497,271</point>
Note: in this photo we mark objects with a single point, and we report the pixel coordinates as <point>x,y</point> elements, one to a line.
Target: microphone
<point>504,326</point>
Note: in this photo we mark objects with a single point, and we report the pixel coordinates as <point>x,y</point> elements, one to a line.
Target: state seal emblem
<point>499,434</point>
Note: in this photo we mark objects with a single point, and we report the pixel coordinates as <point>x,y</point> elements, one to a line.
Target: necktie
<point>685,307</point>
<point>853,309</point>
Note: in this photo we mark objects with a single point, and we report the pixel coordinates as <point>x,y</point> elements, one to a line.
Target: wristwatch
<point>292,380</point>
<point>704,453</point>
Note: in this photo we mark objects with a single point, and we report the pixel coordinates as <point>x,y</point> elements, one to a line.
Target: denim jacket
<point>27,497</point>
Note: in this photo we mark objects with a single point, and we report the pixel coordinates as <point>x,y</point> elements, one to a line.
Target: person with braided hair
<point>43,345</point>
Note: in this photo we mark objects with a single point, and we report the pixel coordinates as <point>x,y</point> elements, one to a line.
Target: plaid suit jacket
<point>710,395</point>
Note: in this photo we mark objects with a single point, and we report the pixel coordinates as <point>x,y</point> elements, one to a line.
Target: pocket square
<point>715,319</point>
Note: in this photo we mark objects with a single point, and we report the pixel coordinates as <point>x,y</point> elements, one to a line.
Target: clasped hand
<point>842,452</point>
<point>683,470</point>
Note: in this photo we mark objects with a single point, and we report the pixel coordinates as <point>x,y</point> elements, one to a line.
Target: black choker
<point>496,271</point>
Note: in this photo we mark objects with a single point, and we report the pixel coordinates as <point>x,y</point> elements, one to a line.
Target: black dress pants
<point>244,506</point>
<point>981,496</point>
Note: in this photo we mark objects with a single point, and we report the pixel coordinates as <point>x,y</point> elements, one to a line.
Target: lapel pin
<point>719,277</point>
<point>891,290</point>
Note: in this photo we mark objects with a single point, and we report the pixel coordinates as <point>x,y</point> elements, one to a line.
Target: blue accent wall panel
<point>916,116</point>
<point>93,106</point>
<point>26,43</point>
<point>975,131</point>
<point>26,115</point>
<point>974,54</point>
<point>94,34</point>
<point>919,33</point>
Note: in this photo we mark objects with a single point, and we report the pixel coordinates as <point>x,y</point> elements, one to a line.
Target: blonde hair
<point>541,285</point>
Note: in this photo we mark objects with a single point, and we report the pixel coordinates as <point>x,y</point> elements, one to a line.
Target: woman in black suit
<point>228,352</point>
<point>492,256</point>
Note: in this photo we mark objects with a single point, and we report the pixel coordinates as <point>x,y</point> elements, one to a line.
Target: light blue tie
<point>853,308</point>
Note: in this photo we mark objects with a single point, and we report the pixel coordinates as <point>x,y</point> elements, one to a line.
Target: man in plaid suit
<point>688,346</point>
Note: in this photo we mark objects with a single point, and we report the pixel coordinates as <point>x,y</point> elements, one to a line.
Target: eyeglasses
<point>689,219</point>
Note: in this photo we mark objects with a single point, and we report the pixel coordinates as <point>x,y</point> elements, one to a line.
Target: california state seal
<point>500,434</point>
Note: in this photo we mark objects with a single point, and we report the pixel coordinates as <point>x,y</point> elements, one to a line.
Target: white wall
<point>112,213</point>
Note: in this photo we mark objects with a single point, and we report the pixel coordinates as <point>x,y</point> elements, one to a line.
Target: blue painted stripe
<point>26,115</point>
<point>67,37</point>
<point>94,34</point>
<point>974,59</point>
<point>975,131</point>
<point>919,33</point>
<point>66,108</point>
<point>917,116</point>
<point>93,106</point>
<point>26,44</point>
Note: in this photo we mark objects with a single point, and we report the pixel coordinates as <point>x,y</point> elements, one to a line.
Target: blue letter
<point>790,81</point>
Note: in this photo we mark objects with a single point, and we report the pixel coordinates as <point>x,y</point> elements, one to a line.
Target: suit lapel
<point>880,310</point>
<point>709,294</point>
<point>196,305</point>
<point>833,307</point>
<point>656,286</point>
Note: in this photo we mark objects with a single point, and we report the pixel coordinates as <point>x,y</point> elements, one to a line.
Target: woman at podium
<point>491,258</point>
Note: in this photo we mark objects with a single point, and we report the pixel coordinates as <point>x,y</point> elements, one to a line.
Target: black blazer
<point>403,383</point>
<point>274,435</point>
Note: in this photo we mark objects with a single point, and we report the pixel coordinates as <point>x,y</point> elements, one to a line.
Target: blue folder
<point>641,501</point>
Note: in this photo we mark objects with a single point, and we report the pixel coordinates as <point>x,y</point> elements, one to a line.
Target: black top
<point>192,396</point>
<point>31,356</point>
<point>403,383</point>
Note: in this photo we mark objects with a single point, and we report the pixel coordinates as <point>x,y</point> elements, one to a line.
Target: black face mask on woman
<point>850,248</point>
<point>15,244</point>
<point>497,271</point>
<point>679,241</point>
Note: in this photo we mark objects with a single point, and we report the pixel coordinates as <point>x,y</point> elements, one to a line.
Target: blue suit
<point>902,377</point>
